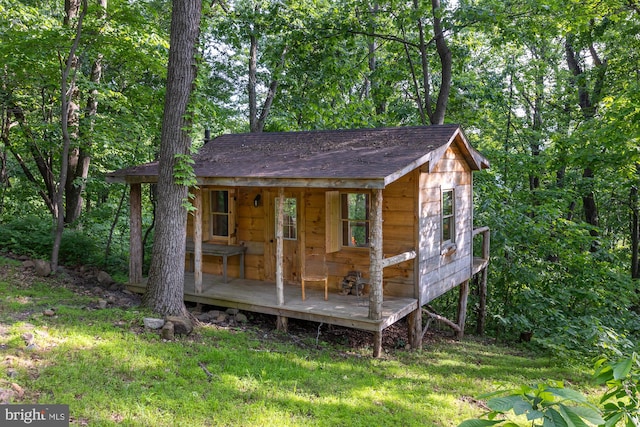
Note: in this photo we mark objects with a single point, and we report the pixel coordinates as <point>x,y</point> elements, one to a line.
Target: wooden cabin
<point>358,228</point>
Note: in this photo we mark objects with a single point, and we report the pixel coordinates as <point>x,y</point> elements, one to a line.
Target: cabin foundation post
<point>414,328</point>
<point>135,234</point>
<point>462,307</point>
<point>377,343</point>
<point>482,306</point>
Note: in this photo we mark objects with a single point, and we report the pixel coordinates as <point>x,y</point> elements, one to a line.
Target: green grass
<point>111,371</point>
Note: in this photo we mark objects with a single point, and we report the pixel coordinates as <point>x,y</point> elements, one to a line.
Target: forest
<point>547,90</point>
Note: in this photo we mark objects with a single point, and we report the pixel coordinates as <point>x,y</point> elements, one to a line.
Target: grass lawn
<point>111,371</point>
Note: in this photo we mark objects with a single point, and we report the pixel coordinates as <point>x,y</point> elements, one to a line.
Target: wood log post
<point>197,240</point>
<point>375,257</point>
<point>375,266</point>
<point>281,322</point>
<point>462,307</point>
<point>482,305</point>
<point>414,328</point>
<point>135,234</point>
<point>377,343</point>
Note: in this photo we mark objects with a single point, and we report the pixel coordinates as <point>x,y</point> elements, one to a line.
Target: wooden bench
<point>224,251</point>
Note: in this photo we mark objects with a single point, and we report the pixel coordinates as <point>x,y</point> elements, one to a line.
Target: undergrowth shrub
<point>33,236</point>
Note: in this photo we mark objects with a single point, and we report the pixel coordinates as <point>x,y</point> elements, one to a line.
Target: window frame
<point>450,217</point>
<point>289,222</point>
<point>347,225</point>
<point>216,214</point>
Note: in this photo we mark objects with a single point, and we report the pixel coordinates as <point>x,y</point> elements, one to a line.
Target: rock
<point>6,396</point>
<point>168,331</point>
<point>19,390</point>
<point>203,317</point>
<point>43,268</point>
<point>28,338</point>
<point>222,317</point>
<point>241,318</point>
<point>181,325</point>
<point>49,313</point>
<point>104,278</point>
<point>152,323</point>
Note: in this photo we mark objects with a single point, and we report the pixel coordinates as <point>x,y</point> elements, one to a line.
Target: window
<point>448,216</point>
<point>219,213</point>
<point>355,219</point>
<point>290,220</point>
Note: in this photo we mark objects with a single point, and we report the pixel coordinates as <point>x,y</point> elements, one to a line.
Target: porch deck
<point>260,297</point>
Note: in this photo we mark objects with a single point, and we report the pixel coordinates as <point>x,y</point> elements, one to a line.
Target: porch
<point>260,297</point>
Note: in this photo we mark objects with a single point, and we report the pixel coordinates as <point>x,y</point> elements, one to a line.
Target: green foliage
<point>622,398</point>
<point>551,404</point>
<point>33,237</point>
<point>545,404</point>
<point>29,236</point>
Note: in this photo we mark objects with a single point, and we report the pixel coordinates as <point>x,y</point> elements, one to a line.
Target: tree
<point>166,275</point>
<point>67,110</point>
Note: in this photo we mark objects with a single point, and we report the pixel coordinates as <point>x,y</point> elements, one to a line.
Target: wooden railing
<point>486,233</point>
<point>480,263</point>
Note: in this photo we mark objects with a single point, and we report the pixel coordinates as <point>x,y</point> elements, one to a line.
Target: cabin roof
<point>361,158</point>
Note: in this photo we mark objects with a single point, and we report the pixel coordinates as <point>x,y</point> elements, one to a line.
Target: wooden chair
<point>314,269</point>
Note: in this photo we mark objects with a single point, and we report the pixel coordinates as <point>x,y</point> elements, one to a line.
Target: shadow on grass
<point>111,371</point>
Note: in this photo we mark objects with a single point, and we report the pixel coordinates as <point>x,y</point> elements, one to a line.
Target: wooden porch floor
<point>260,297</point>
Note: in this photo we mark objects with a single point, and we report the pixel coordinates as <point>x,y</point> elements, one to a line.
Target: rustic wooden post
<point>135,234</point>
<point>414,328</point>
<point>375,266</point>
<point>197,240</point>
<point>281,322</point>
<point>482,306</point>
<point>462,307</point>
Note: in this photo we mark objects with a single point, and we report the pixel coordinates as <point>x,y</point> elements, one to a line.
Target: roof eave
<point>362,183</point>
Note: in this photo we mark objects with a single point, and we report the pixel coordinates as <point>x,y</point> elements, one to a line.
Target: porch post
<point>197,240</point>
<point>375,266</point>
<point>279,246</point>
<point>135,234</point>
<point>281,321</point>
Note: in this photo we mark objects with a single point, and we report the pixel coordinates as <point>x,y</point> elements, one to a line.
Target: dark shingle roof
<point>361,154</point>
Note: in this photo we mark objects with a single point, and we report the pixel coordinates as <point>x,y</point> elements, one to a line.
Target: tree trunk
<point>66,90</point>
<point>166,275</point>
<point>257,121</point>
<point>80,157</point>
<point>588,102</point>
<point>437,118</point>
<point>253,100</point>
